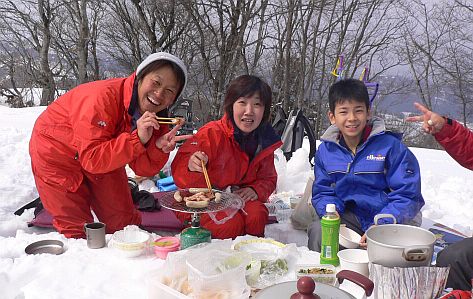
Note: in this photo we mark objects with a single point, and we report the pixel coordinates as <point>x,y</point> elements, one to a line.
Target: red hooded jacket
<point>458,142</point>
<point>89,128</point>
<point>228,164</point>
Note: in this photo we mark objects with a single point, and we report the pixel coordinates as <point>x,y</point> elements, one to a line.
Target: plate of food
<point>198,200</point>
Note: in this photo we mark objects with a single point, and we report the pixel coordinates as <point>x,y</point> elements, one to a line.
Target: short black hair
<point>246,86</point>
<point>348,90</point>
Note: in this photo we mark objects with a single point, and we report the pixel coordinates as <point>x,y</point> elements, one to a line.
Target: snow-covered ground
<point>85,273</point>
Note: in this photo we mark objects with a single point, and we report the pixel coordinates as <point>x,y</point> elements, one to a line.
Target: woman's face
<point>248,112</point>
<point>157,90</point>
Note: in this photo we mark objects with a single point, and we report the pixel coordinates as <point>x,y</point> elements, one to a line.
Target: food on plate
<point>199,200</point>
<point>197,204</point>
<point>197,190</point>
<point>177,196</point>
<point>218,197</point>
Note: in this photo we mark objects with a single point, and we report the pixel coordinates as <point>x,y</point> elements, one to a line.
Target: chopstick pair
<point>169,120</point>
<point>206,176</point>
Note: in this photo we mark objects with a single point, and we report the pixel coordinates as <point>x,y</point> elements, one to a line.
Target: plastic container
<point>158,290</point>
<point>330,227</point>
<point>294,200</point>
<point>354,260</point>
<point>130,242</point>
<point>162,246</point>
<point>284,216</point>
<point>319,273</point>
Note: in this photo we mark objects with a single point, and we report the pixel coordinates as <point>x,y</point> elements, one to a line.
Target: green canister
<point>195,234</point>
<point>330,227</point>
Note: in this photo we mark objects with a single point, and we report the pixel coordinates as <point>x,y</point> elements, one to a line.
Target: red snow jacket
<point>228,164</point>
<point>89,128</point>
<point>458,142</point>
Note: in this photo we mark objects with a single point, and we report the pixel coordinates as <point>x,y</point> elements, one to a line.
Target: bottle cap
<point>330,208</point>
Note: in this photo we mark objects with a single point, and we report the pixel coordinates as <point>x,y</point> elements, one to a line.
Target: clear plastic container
<point>284,216</point>
<point>325,274</point>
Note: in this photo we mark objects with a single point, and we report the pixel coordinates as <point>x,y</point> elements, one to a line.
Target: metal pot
<point>399,245</point>
<point>287,289</point>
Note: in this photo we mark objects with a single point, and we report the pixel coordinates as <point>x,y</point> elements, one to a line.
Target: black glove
<point>146,201</point>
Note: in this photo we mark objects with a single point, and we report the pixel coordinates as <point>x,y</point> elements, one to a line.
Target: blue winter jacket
<point>382,177</point>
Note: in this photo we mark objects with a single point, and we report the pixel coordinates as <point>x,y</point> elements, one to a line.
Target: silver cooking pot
<point>286,289</point>
<point>399,245</point>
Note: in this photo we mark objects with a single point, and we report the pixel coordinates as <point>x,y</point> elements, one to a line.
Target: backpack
<point>297,126</point>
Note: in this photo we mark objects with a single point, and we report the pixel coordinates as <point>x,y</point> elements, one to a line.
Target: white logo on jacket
<point>102,123</point>
<point>378,158</point>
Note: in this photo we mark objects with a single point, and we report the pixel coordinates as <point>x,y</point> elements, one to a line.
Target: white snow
<point>81,272</point>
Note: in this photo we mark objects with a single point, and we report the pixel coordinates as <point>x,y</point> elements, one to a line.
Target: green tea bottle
<point>330,227</point>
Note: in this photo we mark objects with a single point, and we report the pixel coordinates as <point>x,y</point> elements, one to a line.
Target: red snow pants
<point>252,223</point>
<point>108,195</point>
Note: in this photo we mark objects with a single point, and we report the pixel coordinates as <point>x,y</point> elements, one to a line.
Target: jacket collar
<point>333,133</point>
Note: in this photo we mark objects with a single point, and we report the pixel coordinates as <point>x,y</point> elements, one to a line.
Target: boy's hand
<point>363,243</point>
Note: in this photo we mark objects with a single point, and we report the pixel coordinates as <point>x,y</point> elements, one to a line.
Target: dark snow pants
<point>459,256</point>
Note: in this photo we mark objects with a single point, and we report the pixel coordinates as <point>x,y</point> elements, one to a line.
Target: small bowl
<point>354,260</point>
<point>349,238</point>
<point>130,243</point>
<point>164,245</point>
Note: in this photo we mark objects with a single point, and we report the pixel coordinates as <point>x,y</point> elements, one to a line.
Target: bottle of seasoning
<point>330,227</point>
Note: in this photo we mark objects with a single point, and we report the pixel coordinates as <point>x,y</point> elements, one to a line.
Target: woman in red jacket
<point>457,140</point>
<point>238,151</point>
<point>82,142</point>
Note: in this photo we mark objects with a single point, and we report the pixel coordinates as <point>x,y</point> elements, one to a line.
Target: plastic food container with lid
<point>318,272</point>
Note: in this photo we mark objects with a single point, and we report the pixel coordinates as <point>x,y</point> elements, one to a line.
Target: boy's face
<point>350,117</point>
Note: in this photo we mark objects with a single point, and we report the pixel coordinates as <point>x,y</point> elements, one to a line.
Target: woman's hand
<point>145,126</point>
<point>432,122</point>
<point>167,142</point>
<point>195,163</point>
<point>246,193</point>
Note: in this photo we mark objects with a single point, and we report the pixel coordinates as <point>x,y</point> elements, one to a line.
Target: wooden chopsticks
<point>206,175</point>
<point>169,120</point>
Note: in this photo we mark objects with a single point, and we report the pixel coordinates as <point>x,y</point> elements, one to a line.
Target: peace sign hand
<point>432,122</point>
<point>167,142</point>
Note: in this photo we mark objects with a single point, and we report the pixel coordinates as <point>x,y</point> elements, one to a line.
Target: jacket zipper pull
<point>348,167</point>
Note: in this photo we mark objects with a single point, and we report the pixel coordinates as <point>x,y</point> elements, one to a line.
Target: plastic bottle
<point>330,227</point>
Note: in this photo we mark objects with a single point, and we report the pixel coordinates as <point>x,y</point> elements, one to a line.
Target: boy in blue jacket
<point>362,168</point>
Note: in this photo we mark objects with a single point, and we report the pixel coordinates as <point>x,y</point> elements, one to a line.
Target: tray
<point>167,200</point>
<point>45,246</point>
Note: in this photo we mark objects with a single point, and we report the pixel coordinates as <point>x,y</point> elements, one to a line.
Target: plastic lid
<point>330,208</point>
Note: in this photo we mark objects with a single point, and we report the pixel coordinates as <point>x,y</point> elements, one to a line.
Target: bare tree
<point>137,28</point>
<point>220,27</point>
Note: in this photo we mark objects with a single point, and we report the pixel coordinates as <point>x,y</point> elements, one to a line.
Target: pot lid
<point>284,290</point>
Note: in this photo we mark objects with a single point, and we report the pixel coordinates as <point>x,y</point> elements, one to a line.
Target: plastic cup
<point>355,260</point>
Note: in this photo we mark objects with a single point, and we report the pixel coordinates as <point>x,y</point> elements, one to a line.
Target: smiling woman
<point>243,159</point>
<point>82,142</point>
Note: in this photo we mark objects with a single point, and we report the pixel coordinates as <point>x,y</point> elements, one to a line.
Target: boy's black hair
<point>348,90</point>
